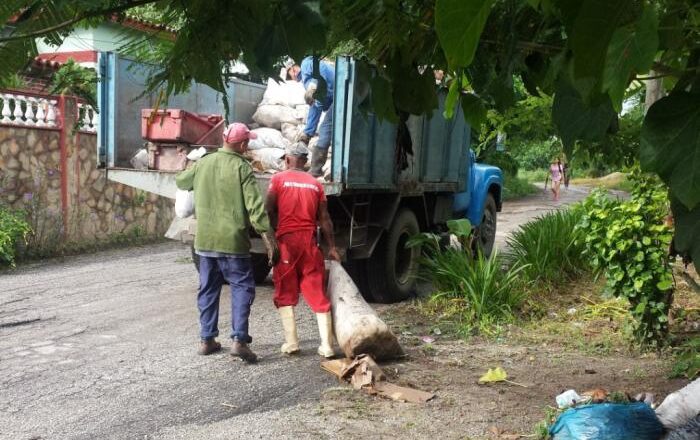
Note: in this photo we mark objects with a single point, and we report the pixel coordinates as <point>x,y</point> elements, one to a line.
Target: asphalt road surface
<point>103,346</point>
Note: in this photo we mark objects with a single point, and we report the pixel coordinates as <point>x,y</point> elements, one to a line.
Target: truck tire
<point>485,233</point>
<point>392,269</point>
<point>357,269</point>
<point>260,267</point>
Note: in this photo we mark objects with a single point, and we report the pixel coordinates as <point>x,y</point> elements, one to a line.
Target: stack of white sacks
<point>280,116</point>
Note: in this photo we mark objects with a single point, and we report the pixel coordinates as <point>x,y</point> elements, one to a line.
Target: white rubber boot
<point>291,344</point>
<point>325,329</point>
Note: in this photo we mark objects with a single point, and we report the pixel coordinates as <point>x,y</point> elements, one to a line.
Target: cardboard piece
<point>402,394</point>
<point>363,373</point>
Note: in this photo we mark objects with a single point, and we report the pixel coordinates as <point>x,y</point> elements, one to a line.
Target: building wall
<point>105,37</point>
<point>51,174</point>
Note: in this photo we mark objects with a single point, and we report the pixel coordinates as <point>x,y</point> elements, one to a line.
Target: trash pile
<point>279,121</point>
<point>597,414</point>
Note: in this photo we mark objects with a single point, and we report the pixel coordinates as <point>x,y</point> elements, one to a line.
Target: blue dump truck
<point>376,202</point>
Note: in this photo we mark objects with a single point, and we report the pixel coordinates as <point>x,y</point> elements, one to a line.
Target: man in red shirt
<point>296,204</point>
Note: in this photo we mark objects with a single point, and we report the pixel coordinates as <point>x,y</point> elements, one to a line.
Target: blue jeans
<point>326,128</point>
<point>238,272</point>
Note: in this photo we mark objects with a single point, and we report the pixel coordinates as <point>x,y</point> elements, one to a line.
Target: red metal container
<point>180,126</point>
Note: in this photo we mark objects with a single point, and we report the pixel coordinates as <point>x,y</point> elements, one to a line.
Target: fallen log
<point>358,329</point>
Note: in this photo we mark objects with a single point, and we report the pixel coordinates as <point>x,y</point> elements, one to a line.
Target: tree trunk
<point>654,92</point>
<point>358,329</point>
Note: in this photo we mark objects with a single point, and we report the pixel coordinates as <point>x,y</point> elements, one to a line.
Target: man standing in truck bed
<point>305,74</point>
<point>296,204</point>
<point>227,202</point>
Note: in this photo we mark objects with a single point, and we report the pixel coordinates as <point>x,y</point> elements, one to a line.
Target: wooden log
<point>358,328</point>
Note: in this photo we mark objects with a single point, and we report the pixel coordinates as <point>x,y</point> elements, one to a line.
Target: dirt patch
<point>571,338</point>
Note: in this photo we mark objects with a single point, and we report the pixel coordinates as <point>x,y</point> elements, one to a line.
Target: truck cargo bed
<point>163,182</point>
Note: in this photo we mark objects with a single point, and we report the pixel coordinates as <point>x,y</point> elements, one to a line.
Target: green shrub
<point>516,188</point>
<point>628,241</point>
<point>13,230</point>
<point>488,292</point>
<point>502,160</point>
<point>687,360</point>
<point>537,155</point>
<point>549,247</point>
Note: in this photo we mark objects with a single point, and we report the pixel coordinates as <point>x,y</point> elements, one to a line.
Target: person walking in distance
<point>296,204</point>
<point>557,173</point>
<point>227,202</point>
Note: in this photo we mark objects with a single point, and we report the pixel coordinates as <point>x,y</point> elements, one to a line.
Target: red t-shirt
<point>298,197</point>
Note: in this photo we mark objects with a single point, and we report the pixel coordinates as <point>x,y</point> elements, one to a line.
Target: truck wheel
<point>392,269</point>
<point>259,261</point>
<point>485,233</point>
<point>357,269</point>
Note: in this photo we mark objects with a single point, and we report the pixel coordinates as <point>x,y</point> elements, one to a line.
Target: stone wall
<point>51,174</point>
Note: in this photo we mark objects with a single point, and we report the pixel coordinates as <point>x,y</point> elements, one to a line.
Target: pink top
<point>555,169</point>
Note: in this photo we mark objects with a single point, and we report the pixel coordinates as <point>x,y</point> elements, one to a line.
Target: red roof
<point>57,58</point>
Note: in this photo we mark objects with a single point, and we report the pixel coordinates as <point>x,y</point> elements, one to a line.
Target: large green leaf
<point>575,120</point>
<point>632,50</point>
<point>687,237</point>
<point>593,29</point>
<point>670,145</point>
<point>459,24</point>
<point>452,97</point>
<point>473,109</point>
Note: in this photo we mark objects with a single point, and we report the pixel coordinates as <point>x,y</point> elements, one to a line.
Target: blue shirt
<point>327,71</point>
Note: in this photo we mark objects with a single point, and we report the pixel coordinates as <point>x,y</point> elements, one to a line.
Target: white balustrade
<point>40,113</point>
<point>87,118</point>
<point>6,113</point>
<point>51,113</point>
<point>29,111</point>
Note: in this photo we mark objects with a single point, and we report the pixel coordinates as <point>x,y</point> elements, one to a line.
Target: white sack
<point>291,132</point>
<point>140,160</point>
<point>273,116</point>
<point>358,328</point>
<point>287,93</point>
<point>680,407</point>
<point>267,159</point>
<point>184,203</point>
<point>302,112</point>
<point>267,138</point>
<point>197,154</point>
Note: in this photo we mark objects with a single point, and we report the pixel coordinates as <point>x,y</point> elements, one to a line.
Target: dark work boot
<point>318,160</point>
<point>208,346</point>
<point>241,350</point>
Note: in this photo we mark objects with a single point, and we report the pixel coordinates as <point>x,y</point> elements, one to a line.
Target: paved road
<point>520,211</point>
<point>103,346</point>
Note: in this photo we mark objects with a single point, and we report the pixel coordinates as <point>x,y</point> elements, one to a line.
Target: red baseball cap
<point>237,132</point>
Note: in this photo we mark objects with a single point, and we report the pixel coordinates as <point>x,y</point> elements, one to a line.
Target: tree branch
<point>76,19</point>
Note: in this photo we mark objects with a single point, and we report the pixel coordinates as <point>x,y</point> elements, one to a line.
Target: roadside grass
<point>614,181</point>
<point>533,176</point>
<point>133,237</point>
<point>479,292</point>
<point>515,188</point>
<point>549,248</point>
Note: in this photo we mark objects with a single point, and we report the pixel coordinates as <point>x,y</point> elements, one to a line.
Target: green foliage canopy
<point>585,53</point>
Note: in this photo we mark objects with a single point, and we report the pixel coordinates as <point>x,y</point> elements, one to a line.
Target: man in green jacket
<point>227,202</point>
